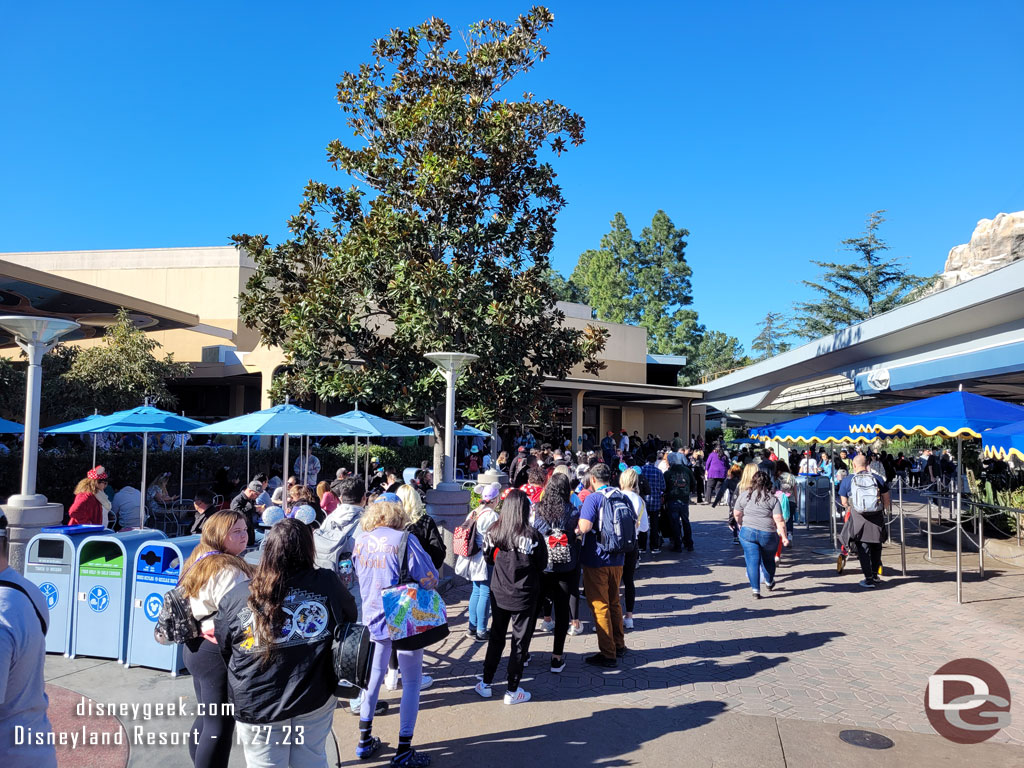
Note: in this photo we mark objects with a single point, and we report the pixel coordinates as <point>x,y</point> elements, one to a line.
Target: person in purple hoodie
<point>378,564</point>
<point>716,468</point>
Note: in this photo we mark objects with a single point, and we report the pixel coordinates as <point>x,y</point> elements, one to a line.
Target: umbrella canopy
<point>825,427</point>
<point>11,427</point>
<point>466,431</point>
<point>285,419</point>
<point>1004,442</point>
<point>376,425</point>
<point>145,418</point>
<point>955,414</point>
<point>73,427</point>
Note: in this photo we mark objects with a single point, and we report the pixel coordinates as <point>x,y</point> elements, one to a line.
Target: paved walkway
<point>714,677</point>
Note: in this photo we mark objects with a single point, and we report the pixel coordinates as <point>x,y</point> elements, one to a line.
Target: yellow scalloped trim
<point>1002,453</point>
<point>826,441</point>
<point>918,430</point>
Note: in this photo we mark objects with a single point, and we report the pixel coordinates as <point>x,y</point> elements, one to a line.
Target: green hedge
<point>59,472</point>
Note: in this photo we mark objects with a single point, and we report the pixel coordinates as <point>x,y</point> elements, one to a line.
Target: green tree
<point>644,282</point>
<point>853,292</point>
<point>566,290</point>
<point>716,354</point>
<point>122,372</point>
<point>442,240</point>
<point>771,340</point>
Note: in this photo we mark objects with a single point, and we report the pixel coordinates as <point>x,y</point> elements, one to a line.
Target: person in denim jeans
<point>759,515</point>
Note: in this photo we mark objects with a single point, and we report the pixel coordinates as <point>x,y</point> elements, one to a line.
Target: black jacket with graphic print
<point>515,583</point>
<point>299,676</point>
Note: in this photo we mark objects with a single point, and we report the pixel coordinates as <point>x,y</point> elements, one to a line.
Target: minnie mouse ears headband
<point>97,473</point>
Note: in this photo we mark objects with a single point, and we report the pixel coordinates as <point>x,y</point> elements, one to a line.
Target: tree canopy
<point>852,292</point>
<point>771,340</point>
<point>441,240</point>
<point>717,353</point>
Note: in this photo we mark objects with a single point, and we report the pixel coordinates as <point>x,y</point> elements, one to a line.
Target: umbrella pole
<point>142,496</point>
<point>959,528</point>
<point>366,465</point>
<point>355,455</point>
<point>248,445</point>
<point>181,480</point>
<point>284,480</point>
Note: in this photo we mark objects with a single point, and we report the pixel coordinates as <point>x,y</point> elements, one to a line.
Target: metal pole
<point>929,555</point>
<point>284,497</point>
<point>981,541</point>
<point>248,445</point>
<point>959,527</point>
<point>355,455</point>
<point>832,495</point>
<point>33,393</point>
<point>181,482</point>
<point>142,496</point>
<point>903,529</point>
<point>449,427</point>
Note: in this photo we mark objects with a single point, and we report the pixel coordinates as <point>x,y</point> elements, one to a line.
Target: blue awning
<point>1007,358</point>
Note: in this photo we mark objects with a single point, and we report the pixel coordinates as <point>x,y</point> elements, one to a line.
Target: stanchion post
<point>903,529</point>
<point>959,528</point>
<point>929,555</point>
<point>981,541</point>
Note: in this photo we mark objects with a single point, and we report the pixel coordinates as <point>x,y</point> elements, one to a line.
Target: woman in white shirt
<point>475,568</point>
<point>212,570</point>
<point>629,481</point>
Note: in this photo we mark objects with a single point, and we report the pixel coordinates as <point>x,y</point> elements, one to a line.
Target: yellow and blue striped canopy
<point>825,427</point>
<point>955,414</point>
<point>1004,442</point>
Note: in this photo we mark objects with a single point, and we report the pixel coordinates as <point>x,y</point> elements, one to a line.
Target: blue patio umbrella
<point>378,427</point>
<point>68,427</point>
<point>141,420</point>
<point>825,427</point>
<point>11,427</point>
<point>1004,442</point>
<point>466,431</point>
<point>955,414</point>
<point>283,420</point>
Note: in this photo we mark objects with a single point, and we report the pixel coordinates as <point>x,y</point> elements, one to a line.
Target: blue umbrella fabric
<point>466,431</point>
<point>955,414</point>
<point>826,427</point>
<point>376,426</point>
<point>1004,442</point>
<point>73,427</point>
<point>284,419</point>
<point>11,427</point>
<point>145,418</point>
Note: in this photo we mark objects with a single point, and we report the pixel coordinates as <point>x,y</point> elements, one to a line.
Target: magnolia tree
<point>441,240</point>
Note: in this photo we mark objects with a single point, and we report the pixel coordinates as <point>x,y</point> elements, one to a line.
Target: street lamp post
<point>29,511</point>
<point>448,504</point>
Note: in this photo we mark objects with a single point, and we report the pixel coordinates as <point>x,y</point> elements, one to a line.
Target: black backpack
<point>175,623</point>
<point>617,529</point>
<point>353,658</point>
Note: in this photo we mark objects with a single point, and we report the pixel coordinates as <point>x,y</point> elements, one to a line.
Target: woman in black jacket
<point>276,634</point>
<point>519,555</point>
<point>555,518</point>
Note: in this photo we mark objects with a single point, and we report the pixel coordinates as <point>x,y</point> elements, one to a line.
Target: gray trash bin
<point>50,565</point>
<point>814,499</point>
<point>157,569</point>
<point>104,570</point>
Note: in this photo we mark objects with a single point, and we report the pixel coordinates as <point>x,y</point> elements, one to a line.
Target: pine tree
<point>771,340</point>
<point>851,293</point>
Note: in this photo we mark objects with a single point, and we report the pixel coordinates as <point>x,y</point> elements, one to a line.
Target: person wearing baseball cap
<point>808,466</point>
<point>24,619</point>
<point>245,503</point>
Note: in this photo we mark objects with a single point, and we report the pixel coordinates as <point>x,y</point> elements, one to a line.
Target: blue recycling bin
<point>104,570</point>
<point>50,565</point>
<point>814,499</point>
<point>157,569</point>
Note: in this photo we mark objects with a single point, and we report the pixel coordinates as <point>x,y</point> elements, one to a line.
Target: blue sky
<point>769,130</point>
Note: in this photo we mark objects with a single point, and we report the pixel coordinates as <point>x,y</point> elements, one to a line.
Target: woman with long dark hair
<point>759,516</point>
<point>280,629</point>
<point>555,519</point>
<point>214,568</point>
<point>518,554</point>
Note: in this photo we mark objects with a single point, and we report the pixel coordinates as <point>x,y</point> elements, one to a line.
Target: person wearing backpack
<point>519,555</point>
<point>866,498</point>
<point>629,484</point>
<point>214,568</point>
<point>603,557</point>
<point>474,567</point>
<point>555,519</point>
<point>679,482</point>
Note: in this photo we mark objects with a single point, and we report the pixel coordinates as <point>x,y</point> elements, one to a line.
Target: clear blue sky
<point>769,130</point>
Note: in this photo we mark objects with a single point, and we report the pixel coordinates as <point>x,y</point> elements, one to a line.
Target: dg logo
<point>967,701</point>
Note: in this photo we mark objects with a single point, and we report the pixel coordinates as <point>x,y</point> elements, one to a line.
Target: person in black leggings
<point>210,680</point>
<point>555,519</point>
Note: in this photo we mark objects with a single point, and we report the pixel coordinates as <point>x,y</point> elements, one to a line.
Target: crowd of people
<point>569,529</point>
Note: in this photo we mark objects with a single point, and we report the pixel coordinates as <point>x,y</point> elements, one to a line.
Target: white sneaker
<point>574,630</point>
<point>425,682</point>
<point>483,689</point>
<point>391,680</point>
<point>516,697</point>
<point>547,626</point>
<point>627,622</point>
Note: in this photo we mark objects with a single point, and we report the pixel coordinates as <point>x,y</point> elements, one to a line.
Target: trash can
<point>157,568</point>
<point>50,565</point>
<point>814,499</point>
<point>104,569</point>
